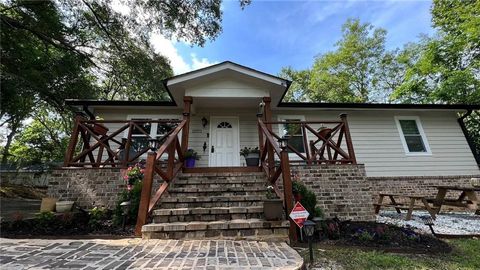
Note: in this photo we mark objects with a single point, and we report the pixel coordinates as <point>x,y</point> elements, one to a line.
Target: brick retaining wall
<point>88,187</point>
<point>342,191</point>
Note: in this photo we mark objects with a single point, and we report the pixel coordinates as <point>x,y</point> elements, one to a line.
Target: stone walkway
<point>145,254</point>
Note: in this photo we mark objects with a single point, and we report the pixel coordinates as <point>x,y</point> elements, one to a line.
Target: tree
<point>299,90</point>
<point>448,68</point>
<point>53,50</point>
<point>350,73</point>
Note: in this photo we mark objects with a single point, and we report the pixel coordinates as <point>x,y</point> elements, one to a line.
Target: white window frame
<point>153,128</point>
<point>285,117</point>
<point>428,151</point>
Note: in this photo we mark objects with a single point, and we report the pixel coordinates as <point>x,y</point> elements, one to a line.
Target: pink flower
<point>142,170</point>
<point>125,177</point>
<point>129,187</point>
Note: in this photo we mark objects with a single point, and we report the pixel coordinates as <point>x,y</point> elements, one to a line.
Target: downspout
<point>470,142</point>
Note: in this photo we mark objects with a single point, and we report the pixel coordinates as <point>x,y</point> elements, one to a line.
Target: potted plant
<point>251,155</point>
<point>99,128</point>
<point>272,206</point>
<point>190,157</point>
<point>325,132</point>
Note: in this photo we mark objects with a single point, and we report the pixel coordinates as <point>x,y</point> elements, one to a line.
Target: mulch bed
<point>378,236</point>
<point>68,225</point>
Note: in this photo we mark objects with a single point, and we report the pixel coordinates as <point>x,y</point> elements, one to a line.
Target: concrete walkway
<point>145,254</point>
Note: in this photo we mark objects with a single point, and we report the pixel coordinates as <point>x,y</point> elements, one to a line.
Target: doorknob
<point>213,149</point>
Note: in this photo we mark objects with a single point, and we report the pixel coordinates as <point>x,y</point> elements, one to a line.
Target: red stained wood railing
<point>167,173</point>
<point>110,148</point>
<point>329,144</point>
<point>326,146</point>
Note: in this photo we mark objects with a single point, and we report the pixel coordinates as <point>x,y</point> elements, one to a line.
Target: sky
<point>269,35</point>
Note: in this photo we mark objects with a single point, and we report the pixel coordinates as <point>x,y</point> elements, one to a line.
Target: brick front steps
<point>215,205</point>
<point>258,229</point>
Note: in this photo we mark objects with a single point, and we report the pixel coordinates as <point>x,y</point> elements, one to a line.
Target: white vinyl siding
<point>377,142</point>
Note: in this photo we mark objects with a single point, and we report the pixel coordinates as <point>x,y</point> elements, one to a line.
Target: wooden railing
<point>167,172</point>
<point>92,144</point>
<point>270,151</point>
<point>328,143</point>
<point>324,147</point>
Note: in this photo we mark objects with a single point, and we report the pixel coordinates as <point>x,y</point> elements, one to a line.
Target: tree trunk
<point>6,149</point>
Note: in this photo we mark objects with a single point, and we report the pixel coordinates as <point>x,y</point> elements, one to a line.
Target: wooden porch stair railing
<point>325,148</point>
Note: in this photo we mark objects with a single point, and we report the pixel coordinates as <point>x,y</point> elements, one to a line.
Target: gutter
<point>470,142</point>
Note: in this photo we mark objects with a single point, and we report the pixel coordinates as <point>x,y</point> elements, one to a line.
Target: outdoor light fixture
<point>309,229</point>
<point>204,122</point>
<point>125,209</point>
<point>429,222</point>
<point>283,142</point>
<point>153,144</point>
<point>261,107</point>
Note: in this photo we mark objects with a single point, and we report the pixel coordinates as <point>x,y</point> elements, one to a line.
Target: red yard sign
<point>299,214</point>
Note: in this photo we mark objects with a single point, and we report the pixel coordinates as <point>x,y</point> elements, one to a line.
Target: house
<point>346,153</point>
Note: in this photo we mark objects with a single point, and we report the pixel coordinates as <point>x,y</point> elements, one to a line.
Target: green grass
<point>465,255</point>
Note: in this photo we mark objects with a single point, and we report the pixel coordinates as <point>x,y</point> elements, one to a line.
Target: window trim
<point>428,151</point>
<point>284,117</point>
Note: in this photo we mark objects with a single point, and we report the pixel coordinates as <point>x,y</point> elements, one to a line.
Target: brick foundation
<point>87,187</point>
<point>342,190</point>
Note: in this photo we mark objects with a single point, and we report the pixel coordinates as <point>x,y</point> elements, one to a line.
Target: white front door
<point>224,142</point>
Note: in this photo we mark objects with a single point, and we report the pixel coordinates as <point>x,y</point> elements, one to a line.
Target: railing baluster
<point>146,193</point>
<point>348,139</point>
<point>73,141</point>
<point>128,143</point>
<point>305,143</point>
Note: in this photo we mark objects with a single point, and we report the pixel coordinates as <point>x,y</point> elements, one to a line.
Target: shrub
<point>133,196</point>
<point>308,199</point>
<point>45,221</point>
<point>96,216</point>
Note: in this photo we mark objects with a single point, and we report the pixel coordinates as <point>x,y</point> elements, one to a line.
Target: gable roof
<point>222,66</point>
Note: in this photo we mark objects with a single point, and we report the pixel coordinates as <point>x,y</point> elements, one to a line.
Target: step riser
<point>276,234</point>
<point>205,217</point>
<point>209,204</point>
<point>248,186</point>
<point>215,193</point>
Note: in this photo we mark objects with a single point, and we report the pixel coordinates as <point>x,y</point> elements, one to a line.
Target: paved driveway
<point>145,254</point>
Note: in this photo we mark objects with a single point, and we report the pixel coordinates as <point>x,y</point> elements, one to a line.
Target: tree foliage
<point>57,50</point>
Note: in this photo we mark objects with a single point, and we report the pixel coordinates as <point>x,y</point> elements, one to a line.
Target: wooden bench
<point>410,206</point>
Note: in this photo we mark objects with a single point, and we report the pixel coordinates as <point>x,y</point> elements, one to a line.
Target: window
<point>294,131</point>
<point>154,130</point>
<point>413,138</point>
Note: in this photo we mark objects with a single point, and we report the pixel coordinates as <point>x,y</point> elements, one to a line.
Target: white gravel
<point>455,223</point>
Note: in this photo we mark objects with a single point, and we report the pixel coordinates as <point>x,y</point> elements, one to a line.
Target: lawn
<point>465,255</point>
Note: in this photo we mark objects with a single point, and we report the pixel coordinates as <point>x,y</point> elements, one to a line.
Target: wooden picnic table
<point>467,199</point>
<point>410,206</point>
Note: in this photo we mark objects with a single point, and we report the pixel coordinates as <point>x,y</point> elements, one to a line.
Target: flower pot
<point>326,133</point>
<point>100,129</point>
<point>48,204</point>
<point>273,209</point>
<point>252,159</point>
<point>475,182</point>
<point>190,162</point>
<point>64,206</point>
